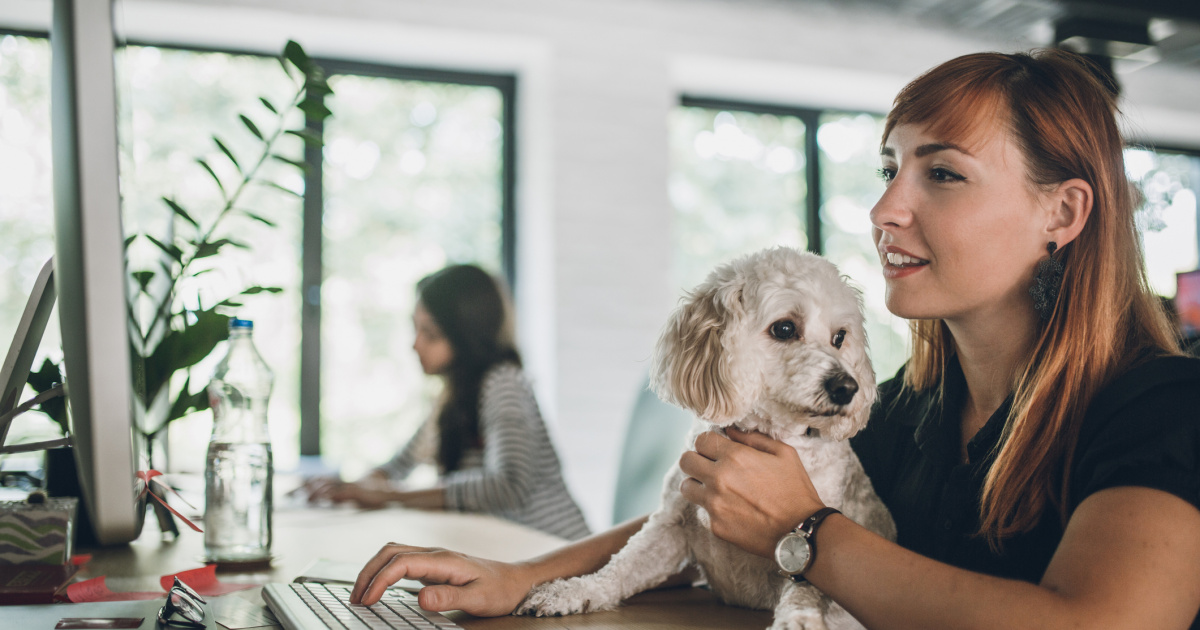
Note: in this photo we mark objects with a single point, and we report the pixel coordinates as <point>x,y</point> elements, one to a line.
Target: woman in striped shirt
<point>487,436</point>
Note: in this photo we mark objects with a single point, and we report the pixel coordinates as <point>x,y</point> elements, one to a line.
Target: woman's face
<point>432,347</point>
<point>959,229</point>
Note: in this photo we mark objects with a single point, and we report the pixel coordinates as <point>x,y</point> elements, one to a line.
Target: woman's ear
<point>691,366</point>
<point>1070,207</point>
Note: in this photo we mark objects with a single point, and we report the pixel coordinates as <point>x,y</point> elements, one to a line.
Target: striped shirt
<point>516,475</point>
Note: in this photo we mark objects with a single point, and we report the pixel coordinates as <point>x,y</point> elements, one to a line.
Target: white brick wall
<point>596,80</point>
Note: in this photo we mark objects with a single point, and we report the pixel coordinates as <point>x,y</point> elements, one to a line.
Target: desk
<point>302,535</point>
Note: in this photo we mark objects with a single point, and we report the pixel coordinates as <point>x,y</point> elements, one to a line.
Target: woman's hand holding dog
<point>755,489</point>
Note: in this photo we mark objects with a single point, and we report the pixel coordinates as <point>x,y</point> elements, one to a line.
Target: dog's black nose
<point>841,388</point>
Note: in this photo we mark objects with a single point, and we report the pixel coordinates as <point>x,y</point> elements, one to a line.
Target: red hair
<point>1061,109</point>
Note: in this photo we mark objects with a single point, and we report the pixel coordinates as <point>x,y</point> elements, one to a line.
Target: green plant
<point>180,330</point>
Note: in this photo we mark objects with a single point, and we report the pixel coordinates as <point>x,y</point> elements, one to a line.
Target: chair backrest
<point>654,440</point>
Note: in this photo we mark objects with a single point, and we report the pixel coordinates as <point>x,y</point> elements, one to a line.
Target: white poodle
<point>771,342</point>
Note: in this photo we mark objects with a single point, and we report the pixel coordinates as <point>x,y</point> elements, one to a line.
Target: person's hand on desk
<point>319,489</point>
<point>371,498</point>
<point>371,492</point>
<point>454,581</point>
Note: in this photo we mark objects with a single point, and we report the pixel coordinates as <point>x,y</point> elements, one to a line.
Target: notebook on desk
<point>318,606</point>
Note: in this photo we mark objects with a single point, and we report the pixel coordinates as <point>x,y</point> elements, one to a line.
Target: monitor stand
<point>19,362</point>
<point>62,477</point>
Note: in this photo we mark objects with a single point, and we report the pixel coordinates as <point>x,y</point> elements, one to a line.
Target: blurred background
<point>600,155</point>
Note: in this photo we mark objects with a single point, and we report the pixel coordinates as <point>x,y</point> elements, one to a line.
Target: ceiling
<point>1169,30</point>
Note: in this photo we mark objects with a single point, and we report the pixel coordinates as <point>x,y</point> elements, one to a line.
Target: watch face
<point>793,553</point>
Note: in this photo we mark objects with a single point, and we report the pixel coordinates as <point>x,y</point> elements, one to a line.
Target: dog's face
<point>770,341</point>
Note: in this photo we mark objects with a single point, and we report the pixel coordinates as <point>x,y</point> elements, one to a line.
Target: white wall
<point>596,81</point>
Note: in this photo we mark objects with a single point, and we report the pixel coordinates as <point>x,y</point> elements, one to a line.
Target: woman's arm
<point>1126,560</point>
<point>372,496</point>
<point>486,588</point>
<point>373,486</point>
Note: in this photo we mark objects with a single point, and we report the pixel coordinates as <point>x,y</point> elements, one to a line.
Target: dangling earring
<point>1046,283</point>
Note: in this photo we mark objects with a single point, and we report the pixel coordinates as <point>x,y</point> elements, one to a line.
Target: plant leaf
<point>315,109</point>
<point>257,290</point>
<point>283,63</point>
<point>251,126</point>
<point>315,85</point>
<point>294,53</point>
<point>267,104</point>
<point>186,347</point>
<point>171,250</point>
<point>187,402</point>
<point>179,211</point>
<point>272,184</point>
<point>143,278</point>
<point>304,166</point>
<point>204,250</point>
<point>46,377</point>
<point>213,173</point>
<point>260,218</point>
<point>229,154</point>
<point>310,137</point>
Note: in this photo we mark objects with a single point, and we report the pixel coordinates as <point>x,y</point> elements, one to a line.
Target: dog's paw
<point>564,597</point>
<point>806,619</point>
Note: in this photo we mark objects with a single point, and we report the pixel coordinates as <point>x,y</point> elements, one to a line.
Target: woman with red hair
<point>1039,452</point>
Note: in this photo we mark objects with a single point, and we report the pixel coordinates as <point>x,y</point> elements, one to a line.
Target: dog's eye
<point>783,330</point>
<point>839,337</point>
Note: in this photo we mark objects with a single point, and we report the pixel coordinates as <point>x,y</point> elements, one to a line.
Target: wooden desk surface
<point>302,535</point>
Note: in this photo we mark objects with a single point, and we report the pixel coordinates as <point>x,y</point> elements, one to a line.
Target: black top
<point>1141,430</point>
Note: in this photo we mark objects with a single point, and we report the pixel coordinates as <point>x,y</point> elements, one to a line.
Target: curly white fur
<point>717,356</point>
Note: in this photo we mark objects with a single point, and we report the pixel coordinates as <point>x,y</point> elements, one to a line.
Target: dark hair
<point>1060,108</point>
<point>471,310</point>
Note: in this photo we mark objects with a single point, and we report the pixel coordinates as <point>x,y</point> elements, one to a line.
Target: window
<point>743,177</point>
<point>407,187</point>
<point>26,215</point>
<point>1169,182</point>
<point>173,102</point>
<point>737,183</point>
<point>412,182</point>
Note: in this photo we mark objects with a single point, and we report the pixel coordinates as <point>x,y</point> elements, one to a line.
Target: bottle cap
<point>240,324</point>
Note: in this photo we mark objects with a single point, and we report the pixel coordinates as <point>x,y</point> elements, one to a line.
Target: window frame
<point>811,117</point>
<point>313,209</point>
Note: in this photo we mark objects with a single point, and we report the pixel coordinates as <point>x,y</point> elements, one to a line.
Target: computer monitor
<point>1187,302</point>
<point>89,271</point>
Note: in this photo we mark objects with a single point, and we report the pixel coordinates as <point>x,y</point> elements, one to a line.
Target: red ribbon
<point>145,477</point>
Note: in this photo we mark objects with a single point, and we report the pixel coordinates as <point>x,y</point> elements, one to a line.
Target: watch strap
<point>809,527</point>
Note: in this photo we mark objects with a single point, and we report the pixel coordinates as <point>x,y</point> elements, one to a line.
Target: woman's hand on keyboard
<point>454,581</point>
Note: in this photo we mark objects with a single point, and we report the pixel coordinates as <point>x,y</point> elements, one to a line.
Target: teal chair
<point>654,439</point>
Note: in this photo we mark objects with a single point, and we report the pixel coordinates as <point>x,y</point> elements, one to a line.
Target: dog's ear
<point>693,365</point>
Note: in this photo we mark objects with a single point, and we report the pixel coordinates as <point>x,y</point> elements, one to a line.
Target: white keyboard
<point>313,606</point>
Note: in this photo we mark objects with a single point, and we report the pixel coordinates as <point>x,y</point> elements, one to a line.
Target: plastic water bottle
<point>238,471</point>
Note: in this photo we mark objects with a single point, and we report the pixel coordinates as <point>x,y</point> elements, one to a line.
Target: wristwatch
<point>795,552</point>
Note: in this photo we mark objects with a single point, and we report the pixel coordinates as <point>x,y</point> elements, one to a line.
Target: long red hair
<point>1061,110</point>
